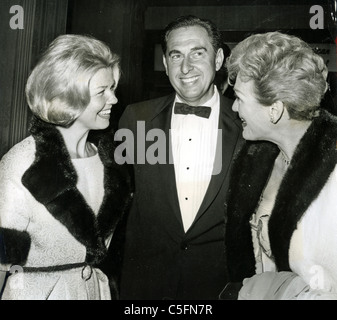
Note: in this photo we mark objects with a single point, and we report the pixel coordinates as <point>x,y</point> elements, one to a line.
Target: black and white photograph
<point>168,156</point>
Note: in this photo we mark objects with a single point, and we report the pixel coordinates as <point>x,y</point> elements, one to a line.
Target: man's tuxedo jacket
<point>161,260</point>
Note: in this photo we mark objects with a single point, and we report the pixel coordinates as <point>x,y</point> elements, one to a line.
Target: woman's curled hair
<point>283,68</point>
<point>57,90</point>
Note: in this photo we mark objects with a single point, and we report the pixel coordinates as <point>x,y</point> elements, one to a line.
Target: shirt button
<point>183,246</point>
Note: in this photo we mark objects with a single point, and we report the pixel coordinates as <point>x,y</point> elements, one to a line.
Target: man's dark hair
<point>190,21</point>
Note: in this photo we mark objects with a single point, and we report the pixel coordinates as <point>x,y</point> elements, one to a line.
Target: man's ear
<point>219,58</point>
<point>276,111</point>
<point>165,64</point>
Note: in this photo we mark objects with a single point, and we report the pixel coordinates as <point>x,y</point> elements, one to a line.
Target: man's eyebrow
<point>198,48</point>
<point>174,51</point>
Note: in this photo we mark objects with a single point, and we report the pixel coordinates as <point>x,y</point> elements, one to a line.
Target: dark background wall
<point>43,20</point>
<point>132,28</point>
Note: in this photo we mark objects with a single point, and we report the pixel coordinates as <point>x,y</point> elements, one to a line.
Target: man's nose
<point>186,65</point>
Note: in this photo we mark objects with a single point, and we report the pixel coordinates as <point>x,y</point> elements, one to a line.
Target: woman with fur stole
<point>62,197</point>
<point>282,205</point>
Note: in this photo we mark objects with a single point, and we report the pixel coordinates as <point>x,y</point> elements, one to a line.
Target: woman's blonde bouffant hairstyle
<point>283,68</point>
<point>57,90</point>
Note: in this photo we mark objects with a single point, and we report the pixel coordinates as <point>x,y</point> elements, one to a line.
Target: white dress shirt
<point>194,141</point>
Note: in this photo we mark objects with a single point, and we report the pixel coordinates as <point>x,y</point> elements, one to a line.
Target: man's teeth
<point>189,79</point>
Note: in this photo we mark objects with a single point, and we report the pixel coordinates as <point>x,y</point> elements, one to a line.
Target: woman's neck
<point>289,136</point>
<point>76,142</point>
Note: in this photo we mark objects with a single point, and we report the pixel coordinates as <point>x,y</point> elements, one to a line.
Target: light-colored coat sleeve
<point>14,208</point>
<point>313,254</point>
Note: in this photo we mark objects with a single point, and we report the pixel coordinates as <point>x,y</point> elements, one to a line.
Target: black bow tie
<point>182,108</point>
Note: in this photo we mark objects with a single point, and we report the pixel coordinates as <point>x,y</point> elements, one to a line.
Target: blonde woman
<point>282,206</point>
<point>62,197</point>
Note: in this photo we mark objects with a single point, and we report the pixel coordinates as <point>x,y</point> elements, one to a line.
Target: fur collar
<point>51,179</point>
<point>313,161</point>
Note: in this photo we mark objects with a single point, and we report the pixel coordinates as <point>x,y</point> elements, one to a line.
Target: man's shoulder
<point>145,109</point>
<point>227,102</point>
<point>226,108</point>
<point>152,102</point>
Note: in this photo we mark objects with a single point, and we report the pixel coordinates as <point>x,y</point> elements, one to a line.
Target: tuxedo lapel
<point>162,120</point>
<point>229,134</point>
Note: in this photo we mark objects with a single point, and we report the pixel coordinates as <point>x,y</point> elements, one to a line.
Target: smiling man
<point>175,231</point>
<point>191,62</point>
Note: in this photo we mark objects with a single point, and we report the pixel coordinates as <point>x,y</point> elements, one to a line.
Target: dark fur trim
<point>247,182</point>
<point>14,245</point>
<point>52,179</point>
<point>313,161</point>
<point>117,185</point>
